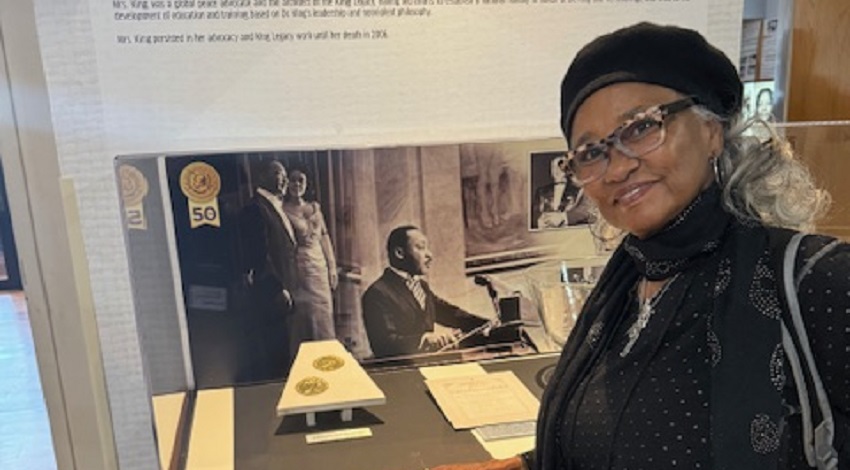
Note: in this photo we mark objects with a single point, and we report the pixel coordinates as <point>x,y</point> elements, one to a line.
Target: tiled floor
<point>25,441</point>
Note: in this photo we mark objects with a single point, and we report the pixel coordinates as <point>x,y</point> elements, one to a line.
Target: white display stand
<point>326,377</point>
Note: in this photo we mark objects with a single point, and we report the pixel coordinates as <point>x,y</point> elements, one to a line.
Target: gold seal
<point>310,386</point>
<point>200,182</point>
<point>134,186</point>
<point>328,363</point>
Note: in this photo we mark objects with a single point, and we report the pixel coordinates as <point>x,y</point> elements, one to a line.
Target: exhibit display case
<point>210,340</point>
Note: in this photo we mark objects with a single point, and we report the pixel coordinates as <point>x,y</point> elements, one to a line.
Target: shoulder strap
<point>818,424</point>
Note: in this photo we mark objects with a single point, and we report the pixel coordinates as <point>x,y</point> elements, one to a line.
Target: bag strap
<point>817,440</point>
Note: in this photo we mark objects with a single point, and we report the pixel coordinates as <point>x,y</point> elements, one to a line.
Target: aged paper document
<point>479,400</point>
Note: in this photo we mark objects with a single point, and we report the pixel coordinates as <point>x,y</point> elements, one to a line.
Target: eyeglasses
<point>638,136</point>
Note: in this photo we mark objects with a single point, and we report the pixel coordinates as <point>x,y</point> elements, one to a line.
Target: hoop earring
<point>715,165</point>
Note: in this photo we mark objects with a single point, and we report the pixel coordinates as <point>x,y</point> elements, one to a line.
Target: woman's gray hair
<point>762,180</point>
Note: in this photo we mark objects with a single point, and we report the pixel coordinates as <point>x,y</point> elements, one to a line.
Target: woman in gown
<point>317,275</point>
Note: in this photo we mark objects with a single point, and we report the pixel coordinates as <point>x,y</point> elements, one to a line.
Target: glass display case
<point>239,257</point>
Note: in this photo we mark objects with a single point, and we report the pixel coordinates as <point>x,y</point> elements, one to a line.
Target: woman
<point>677,358</point>
<point>315,259</point>
<point>764,104</point>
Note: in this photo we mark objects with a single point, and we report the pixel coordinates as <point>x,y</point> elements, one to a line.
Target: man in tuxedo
<point>273,329</point>
<point>560,203</point>
<point>400,310</point>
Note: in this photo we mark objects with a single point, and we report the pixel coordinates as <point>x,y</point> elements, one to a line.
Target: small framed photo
<point>555,202</point>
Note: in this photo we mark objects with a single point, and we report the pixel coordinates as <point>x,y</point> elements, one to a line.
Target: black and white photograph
<point>758,101</point>
<point>556,202</point>
<point>392,251</point>
<point>764,101</point>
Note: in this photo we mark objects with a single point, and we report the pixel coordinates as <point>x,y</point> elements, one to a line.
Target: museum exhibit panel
<point>205,191</point>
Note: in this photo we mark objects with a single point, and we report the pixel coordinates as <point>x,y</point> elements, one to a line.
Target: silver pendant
<point>647,308</point>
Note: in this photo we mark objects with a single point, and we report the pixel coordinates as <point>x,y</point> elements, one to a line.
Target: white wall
<point>60,311</point>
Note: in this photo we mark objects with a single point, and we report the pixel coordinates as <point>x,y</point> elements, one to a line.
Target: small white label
<point>508,430</point>
<point>340,435</point>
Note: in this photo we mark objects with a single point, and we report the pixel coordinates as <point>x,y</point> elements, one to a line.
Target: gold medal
<point>134,188</point>
<point>201,183</point>
<point>310,386</point>
<point>328,363</point>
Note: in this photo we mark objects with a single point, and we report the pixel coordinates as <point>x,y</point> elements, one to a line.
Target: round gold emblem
<point>200,182</point>
<point>310,386</point>
<point>134,186</point>
<point>328,363</point>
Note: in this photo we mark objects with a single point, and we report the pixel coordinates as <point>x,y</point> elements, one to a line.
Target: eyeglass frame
<point>661,112</point>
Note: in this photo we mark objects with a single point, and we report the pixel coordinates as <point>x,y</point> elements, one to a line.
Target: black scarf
<point>744,330</point>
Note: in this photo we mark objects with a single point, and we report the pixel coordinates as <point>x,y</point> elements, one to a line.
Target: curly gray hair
<point>761,178</point>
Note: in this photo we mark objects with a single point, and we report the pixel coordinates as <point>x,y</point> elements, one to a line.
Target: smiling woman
<point>641,193</point>
<point>681,356</point>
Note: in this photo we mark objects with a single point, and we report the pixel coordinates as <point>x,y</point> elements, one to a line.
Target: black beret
<point>670,56</point>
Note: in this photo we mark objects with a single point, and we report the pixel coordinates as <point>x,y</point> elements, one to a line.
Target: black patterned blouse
<point>664,421</point>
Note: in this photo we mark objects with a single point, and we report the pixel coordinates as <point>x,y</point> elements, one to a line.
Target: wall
<point>826,150</point>
<point>819,90</point>
<point>60,311</point>
<point>819,81</point>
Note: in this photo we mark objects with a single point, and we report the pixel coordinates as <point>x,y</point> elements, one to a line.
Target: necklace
<point>645,311</point>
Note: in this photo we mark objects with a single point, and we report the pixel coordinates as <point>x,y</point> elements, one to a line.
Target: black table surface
<point>409,431</point>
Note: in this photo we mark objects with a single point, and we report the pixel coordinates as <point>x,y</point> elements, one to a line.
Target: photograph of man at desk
<point>402,314</point>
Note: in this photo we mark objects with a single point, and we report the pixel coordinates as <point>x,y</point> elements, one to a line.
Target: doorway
<point>10,275</point>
